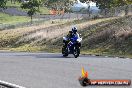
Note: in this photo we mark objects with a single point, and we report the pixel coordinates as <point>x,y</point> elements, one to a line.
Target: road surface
<point>47,70</point>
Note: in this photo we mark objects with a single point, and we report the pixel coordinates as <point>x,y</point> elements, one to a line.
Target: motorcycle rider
<point>67,39</point>
<point>74,30</point>
<point>70,35</point>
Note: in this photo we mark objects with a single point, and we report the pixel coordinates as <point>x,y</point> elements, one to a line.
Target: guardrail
<point>117,11</point>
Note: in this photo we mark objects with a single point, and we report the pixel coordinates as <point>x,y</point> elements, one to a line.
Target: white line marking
<point>93,55</point>
<point>106,56</point>
<point>10,84</point>
<point>116,57</point>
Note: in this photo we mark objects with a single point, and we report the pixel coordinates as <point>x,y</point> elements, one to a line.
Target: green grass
<point>110,53</point>
<point>43,10</point>
<point>8,19</point>
<point>16,4</point>
<point>27,47</point>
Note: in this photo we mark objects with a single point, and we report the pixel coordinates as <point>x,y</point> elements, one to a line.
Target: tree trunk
<point>126,10</point>
<point>31,19</point>
<point>11,1</point>
<point>14,1</point>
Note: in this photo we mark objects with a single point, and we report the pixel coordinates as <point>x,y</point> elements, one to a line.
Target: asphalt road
<point>47,70</point>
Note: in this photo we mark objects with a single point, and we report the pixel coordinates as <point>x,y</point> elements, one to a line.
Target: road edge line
<point>7,84</point>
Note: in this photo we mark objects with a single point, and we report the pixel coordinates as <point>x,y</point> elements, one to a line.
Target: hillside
<point>113,37</point>
<point>41,37</point>
<point>109,36</point>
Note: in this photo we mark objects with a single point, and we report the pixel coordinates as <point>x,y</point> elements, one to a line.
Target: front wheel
<point>64,51</point>
<point>76,51</point>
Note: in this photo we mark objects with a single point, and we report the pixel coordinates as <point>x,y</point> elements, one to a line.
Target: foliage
<point>32,6</point>
<point>58,4</point>
<point>10,4</point>
<point>8,19</point>
<point>112,3</point>
<point>102,4</point>
<point>3,3</point>
<point>83,1</point>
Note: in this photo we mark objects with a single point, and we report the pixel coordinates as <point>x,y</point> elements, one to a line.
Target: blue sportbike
<point>72,46</point>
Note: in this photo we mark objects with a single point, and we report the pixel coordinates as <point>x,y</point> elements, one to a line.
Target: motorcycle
<point>72,47</point>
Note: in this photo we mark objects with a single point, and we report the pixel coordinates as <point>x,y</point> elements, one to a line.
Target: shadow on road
<point>45,55</point>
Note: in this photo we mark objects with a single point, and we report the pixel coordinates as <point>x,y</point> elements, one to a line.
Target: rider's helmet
<point>74,30</point>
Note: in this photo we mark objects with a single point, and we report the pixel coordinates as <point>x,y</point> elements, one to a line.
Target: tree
<point>32,6</point>
<point>3,3</point>
<point>58,4</point>
<point>84,1</point>
<point>107,4</point>
<point>102,4</point>
<point>13,1</point>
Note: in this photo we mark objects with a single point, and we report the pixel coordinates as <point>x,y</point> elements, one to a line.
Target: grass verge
<point>8,19</point>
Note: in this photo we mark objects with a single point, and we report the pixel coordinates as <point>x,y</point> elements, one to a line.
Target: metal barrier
<point>117,11</point>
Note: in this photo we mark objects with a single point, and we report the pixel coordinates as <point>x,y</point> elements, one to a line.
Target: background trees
<point>112,3</point>
<point>102,4</point>
<point>59,4</point>
<point>3,3</point>
<point>32,6</point>
<point>108,4</point>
